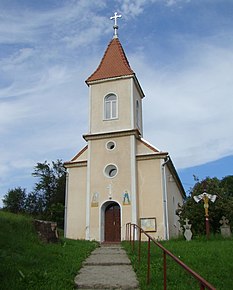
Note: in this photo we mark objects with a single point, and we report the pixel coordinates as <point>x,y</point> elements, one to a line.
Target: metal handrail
<point>203,283</point>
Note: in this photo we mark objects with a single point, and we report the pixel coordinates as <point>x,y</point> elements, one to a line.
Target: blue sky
<point>181,51</point>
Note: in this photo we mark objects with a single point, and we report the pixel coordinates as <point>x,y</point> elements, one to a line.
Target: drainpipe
<point>165,209</point>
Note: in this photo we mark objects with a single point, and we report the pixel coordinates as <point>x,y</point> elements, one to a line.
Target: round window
<point>110,170</point>
<point>111,145</point>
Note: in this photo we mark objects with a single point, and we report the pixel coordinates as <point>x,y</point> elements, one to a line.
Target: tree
<point>227,185</point>
<point>223,206</point>
<point>14,200</point>
<point>47,199</point>
<point>50,189</point>
<point>34,205</point>
<point>57,213</point>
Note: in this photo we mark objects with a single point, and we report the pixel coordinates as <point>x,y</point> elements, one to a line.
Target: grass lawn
<point>212,259</point>
<point>27,263</point>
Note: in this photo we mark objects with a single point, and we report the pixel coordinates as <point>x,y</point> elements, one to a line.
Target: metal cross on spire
<point>115,26</point>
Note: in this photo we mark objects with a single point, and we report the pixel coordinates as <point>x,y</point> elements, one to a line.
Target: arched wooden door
<point>112,228</point>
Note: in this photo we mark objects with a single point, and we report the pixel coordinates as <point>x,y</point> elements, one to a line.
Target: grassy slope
<point>212,259</point>
<point>27,263</point>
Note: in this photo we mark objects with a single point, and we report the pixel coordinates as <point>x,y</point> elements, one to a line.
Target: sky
<point>180,50</point>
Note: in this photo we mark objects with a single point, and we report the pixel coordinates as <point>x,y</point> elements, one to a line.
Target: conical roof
<point>113,64</point>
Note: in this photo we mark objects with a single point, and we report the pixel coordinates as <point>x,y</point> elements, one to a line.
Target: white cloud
<point>189,111</point>
<point>133,8</point>
<point>175,2</point>
<point>58,24</point>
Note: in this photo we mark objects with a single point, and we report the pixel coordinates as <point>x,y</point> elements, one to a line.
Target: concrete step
<point>106,277</point>
<point>107,267</point>
<point>108,257</point>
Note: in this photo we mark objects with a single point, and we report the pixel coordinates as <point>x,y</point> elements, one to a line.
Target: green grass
<point>212,259</point>
<point>27,263</point>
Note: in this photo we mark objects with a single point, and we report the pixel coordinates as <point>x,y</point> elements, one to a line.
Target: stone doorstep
<point>108,250</point>
<point>111,245</point>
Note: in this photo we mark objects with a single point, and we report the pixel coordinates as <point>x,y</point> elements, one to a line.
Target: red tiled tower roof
<point>113,64</point>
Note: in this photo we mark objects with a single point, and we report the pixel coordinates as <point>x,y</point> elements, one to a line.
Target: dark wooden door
<point>112,223</point>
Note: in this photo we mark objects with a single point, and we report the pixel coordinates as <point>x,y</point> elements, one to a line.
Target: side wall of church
<point>76,203</point>
<point>150,193</point>
<point>173,198</point>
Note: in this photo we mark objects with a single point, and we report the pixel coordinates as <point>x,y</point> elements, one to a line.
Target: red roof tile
<point>113,64</point>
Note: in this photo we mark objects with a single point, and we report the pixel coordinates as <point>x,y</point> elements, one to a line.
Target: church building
<point>118,177</point>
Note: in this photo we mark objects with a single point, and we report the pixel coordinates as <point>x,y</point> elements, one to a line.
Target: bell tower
<point>115,93</point>
<point>115,110</point>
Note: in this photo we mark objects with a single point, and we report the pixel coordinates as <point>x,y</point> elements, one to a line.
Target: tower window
<point>110,107</point>
<point>137,114</point>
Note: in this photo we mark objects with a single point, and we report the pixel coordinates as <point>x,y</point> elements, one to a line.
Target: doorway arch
<point>111,222</point>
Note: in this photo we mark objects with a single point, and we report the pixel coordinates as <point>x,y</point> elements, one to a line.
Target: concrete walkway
<point>108,267</point>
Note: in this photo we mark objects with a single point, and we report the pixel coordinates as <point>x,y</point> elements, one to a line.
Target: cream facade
<point>119,177</point>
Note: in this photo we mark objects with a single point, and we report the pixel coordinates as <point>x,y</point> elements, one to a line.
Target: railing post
<point>148,262</point>
<point>130,238</point>
<point>202,282</point>
<point>202,287</point>
<point>133,236</point>
<point>129,231</point>
<point>139,246</point>
<point>164,271</point>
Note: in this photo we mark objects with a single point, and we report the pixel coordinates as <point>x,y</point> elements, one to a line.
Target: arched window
<point>110,107</point>
<point>138,115</point>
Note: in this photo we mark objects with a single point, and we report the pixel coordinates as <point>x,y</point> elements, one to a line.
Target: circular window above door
<point>110,170</point>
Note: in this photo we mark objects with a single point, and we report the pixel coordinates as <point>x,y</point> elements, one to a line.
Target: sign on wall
<point>148,224</point>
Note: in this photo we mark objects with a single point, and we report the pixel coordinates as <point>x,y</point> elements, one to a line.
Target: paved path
<point>108,267</point>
